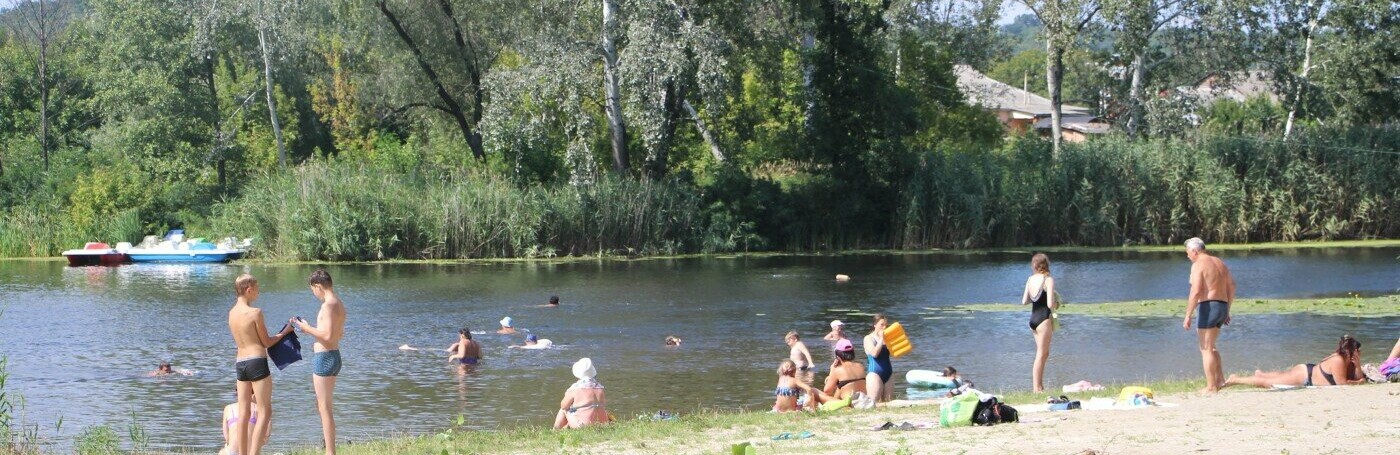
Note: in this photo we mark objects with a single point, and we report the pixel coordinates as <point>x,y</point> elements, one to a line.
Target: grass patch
<point>707,431</point>
<point>1364,307</point>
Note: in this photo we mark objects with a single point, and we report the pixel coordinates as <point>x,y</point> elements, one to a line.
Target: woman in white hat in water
<point>583,402</point>
<point>506,327</point>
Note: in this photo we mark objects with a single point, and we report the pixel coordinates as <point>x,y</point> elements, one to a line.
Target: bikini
<point>843,384</point>
<point>1332,380</point>
<point>251,420</point>
<point>1040,307</point>
<point>786,392</point>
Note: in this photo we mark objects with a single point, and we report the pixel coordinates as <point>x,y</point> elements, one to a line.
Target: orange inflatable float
<point>897,341</point>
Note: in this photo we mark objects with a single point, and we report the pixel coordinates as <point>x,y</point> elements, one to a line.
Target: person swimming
<point>465,351</point>
<point>164,369</point>
<point>534,342</point>
<point>553,300</point>
<point>506,328</point>
<point>673,340</point>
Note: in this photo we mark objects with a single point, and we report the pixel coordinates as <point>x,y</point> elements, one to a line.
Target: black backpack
<point>992,412</point>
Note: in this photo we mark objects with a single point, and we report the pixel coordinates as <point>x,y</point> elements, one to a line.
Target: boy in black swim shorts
<point>249,330</point>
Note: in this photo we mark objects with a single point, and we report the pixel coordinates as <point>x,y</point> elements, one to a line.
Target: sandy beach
<point>1356,419</point>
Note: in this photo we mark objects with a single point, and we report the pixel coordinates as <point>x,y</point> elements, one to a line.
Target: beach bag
<point>958,411</point>
<point>992,412</point>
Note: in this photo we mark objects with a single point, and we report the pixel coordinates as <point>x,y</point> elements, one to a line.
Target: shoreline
<point>1270,417</point>
<point>1370,243</point>
<point>1354,306</point>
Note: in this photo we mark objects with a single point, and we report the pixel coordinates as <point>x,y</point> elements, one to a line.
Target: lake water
<point>79,340</point>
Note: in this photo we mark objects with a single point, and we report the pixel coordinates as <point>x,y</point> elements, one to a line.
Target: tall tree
<point>1063,20</point>
<point>453,58</point>
<point>1138,22</point>
<point>617,125</point>
<point>39,26</point>
<point>268,18</point>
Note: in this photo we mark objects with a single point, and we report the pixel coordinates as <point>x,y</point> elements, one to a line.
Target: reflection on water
<point>79,340</point>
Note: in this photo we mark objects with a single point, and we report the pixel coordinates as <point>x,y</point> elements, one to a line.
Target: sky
<point>1008,13</point>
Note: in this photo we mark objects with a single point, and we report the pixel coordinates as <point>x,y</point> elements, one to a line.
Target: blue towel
<point>287,351</point>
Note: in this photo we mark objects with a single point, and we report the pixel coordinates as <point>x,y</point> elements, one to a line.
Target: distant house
<point>1235,86</point>
<point>1021,110</point>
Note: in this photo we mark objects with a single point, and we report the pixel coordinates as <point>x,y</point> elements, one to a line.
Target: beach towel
<point>285,352</point>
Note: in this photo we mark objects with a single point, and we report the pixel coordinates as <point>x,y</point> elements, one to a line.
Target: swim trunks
<point>1211,314</point>
<point>326,363</point>
<point>467,360</point>
<point>252,369</point>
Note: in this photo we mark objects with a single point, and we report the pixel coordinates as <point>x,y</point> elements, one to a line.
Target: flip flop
<point>886,426</point>
<point>782,437</point>
<point>804,435</point>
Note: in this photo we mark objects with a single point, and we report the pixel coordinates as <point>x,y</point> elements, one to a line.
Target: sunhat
<point>583,369</point>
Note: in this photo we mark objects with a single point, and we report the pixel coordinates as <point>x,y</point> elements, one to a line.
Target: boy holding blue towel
<point>249,331</point>
<point>325,360</point>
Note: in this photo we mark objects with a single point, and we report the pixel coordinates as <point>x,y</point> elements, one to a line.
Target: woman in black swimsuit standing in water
<point>1336,369</point>
<point>1040,294</point>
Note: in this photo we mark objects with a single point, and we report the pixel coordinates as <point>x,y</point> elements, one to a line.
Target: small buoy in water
<point>842,278</point>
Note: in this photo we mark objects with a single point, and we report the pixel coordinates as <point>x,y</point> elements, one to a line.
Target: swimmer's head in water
<point>673,341</point>
<point>164,367</point>
<point>531,339</point>
<point>244,284</point>
<point>320,277</point>
<point>949,371</point>
<point>465,333</point>
<point>553,300</point>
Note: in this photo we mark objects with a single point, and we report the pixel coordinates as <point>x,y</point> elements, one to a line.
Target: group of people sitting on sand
<point>848,381</point>
<point>1212,292</point>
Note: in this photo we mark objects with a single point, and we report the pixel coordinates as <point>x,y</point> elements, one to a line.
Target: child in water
<point>789,387</point>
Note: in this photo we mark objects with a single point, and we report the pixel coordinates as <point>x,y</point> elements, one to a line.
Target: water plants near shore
<point>1351,305</point>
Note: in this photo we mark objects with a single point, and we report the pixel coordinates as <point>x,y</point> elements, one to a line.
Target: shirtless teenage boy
<point>325,360</point>
<point>249,331</point>
<point>1212,291</point>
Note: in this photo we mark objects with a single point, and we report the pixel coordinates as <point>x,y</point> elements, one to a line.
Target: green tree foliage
<point>452,129</point>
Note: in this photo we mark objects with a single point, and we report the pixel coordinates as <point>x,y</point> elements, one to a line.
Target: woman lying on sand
<point>1337,369</point>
